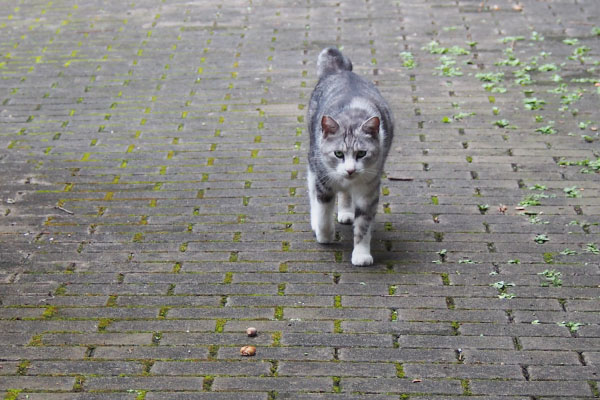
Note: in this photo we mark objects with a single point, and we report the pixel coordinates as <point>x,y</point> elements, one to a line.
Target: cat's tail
<point>332,61</point>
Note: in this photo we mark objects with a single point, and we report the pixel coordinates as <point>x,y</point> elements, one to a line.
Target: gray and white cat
<point>351,130</point>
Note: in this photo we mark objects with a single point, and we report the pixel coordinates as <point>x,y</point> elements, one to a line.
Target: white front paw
<point>345,217</point>
<point>325,237</point>
<point>361,259</point>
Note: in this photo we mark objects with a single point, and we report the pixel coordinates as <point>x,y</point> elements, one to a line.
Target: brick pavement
<point>153,202</point>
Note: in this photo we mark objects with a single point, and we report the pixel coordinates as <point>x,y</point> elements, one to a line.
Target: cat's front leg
<point>364,215</point>
<point>322,204</point>
<point>345,208</point>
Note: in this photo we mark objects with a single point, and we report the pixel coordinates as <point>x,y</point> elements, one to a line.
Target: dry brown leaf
<point>248,351</point>
<point>251,331</point>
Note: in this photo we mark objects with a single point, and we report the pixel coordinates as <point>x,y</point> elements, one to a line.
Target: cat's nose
<point>350,171</point>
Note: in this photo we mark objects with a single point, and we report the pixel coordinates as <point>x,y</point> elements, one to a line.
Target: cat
<point>351,129</point>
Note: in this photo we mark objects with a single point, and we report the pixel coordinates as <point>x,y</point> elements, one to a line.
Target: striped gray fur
<point>351,130</point>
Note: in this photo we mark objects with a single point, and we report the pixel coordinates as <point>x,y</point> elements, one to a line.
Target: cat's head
<point>350,146</point>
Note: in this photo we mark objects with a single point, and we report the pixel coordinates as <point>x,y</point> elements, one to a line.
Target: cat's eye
<point>360,154</point>
<point>338,154</point>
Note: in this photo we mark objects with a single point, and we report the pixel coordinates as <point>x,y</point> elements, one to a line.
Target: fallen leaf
<point>251,331</point>
<point>517,7</point>
<point>502,208</point>
<point>416,381</point>
<point>248,351</point>
<point>519,208</point>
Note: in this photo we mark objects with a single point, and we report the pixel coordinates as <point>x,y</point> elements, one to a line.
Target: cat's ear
<point>371,127</point>
<point>329,126</point>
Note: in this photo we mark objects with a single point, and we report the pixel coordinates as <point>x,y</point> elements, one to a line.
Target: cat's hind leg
<point>345,208</point>
<point>322,204</point>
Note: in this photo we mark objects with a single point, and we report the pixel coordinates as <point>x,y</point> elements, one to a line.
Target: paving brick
<point>144,382</point>
<point>337,340</point>
<point>240,368</point>
<point>566,373</point>
<point>203,396</point>
<point>533,388</point>
<point>79,396</point>
<point>282,384</point>
<point>150,352</point>
<point>41,353</point>
<point>395,385</point>
<point>463,371</point>
<point>37,382</point>
<point>527,357</point>
<point>63,367</point>
<point>397,355</point>
<point>299,368</point>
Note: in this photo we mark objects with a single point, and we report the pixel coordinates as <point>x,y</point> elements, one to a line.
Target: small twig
<point>400,178</point>
<point>64,210</point>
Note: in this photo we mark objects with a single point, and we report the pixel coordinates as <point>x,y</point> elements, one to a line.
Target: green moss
<point>445,279</point>
<point>36,341</point>
<point>338,256</point>
<point>112,301</point>
<point>141,395</point>
<point>162,313</point>
<point>276,336</point>
<point>399,370</point>
<point>12,394</point>
<point>49,312</point>
<point>78,385</point>
<point>103,324</point>
<point>220,325</point>
<point>213,351</point>
<point>337,326</point>
<point>278,313</point>
<point>466,387</point>
<point>207,383</point>
<point>336,384</point>
<point>337,302</point>
<point>23,366</point>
